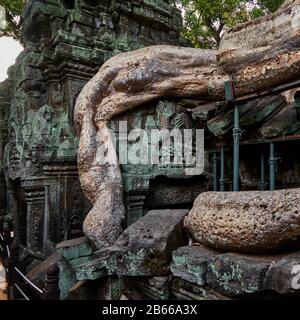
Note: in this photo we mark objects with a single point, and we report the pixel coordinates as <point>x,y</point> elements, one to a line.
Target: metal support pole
<point>262,183</point>
<point>230,98</point>
<point>222,175</point>
<point>236,149</point>
<point>215,174</point>
<point>272,163</point>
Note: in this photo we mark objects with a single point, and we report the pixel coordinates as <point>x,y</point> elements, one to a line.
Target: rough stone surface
<point>64,42</point>
<point>75,248</point>
<point>109,288</point>
<point>80,291</point>
<point>130,80</point>
<point>68,255</point>
<point>144,249</point>
<point>210,273</point>
<point>104,289</point>
<point>184,290</point>
<point>246,221</point>
<point>242,41</point>
<point>190,263</point>
<point>154,288</point>
<point>284,276</point>
<point>237,275</point>
<point>157,185</point>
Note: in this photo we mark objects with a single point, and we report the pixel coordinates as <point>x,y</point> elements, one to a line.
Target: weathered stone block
<point>144,249</point>
<point>184,290</point>
<point>67,278</point>
<point>254,222</point>
<point>109,288</point>
<point>190,263</point>
<point>237,275</point>
<point>202,272</point>
<point>71,40</point>
<point>154,288</point>
<point>68,255</point>
<point>80,291</point>
<point>284,275</point>
<point>75,248</point>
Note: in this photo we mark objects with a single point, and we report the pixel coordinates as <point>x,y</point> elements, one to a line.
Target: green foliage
<point>269,5</point>
<point>205,21</point>
<point>13,18</point>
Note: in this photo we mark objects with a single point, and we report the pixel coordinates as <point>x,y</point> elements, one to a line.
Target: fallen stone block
<point>75,248</point>
<point>184,290</point>
<point>236,275</point>
<point>190,263</point>
<point>144,249</point>
<point>249,222</point>
<point>67,256</point>
<point>284,276</point>
<point>154,288</point>
<point>208,273</point>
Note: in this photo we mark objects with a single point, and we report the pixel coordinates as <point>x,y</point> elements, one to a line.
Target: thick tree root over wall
<point>256,55</point>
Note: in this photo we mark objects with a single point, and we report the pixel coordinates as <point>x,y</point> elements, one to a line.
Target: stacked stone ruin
<point>64,42</point>
<point>139,226</point>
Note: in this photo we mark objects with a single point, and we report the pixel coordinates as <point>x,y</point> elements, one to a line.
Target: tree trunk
<point>257,55</point>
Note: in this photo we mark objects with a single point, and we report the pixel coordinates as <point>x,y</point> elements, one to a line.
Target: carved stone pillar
<point>35,199</point>
<point>4,105</point>
<point>66,203</point>
<point>110,288</point>
<point>135,194</point>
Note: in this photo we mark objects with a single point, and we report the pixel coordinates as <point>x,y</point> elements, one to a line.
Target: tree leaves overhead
<point>13,18</point>
<point>269,5</point>
<point>205,21</point>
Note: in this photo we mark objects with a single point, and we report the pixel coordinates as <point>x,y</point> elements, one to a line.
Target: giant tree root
<point>131,79</point>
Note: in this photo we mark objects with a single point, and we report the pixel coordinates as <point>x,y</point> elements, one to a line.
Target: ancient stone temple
<point>65,42</point>
<point>229,230</point>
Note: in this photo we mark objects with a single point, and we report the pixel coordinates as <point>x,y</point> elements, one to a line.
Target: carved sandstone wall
<point>132,79</point>
<point>65,43</point>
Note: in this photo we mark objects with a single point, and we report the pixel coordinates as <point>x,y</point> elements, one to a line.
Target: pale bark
<point>257,56</point>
